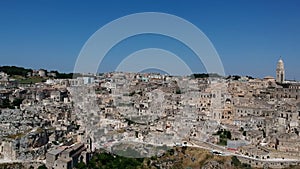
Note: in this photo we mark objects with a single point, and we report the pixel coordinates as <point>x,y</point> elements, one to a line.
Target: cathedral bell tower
<point>280,73</point>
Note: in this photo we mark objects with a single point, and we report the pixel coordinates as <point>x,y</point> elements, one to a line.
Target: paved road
<point>3,161</point>
<point>210,146</point>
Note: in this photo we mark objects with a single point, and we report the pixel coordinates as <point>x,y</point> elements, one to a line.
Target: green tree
<point>17,102</point>
<point>13,70</point>
<point>228,134</point>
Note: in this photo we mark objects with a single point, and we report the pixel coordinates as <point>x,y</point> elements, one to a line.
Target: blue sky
<point>249,35</point>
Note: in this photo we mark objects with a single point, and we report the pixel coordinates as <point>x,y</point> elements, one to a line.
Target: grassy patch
<point>32,80</point>
<point>15,136</point>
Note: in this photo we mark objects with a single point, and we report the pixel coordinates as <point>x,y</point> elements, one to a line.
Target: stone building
<point>42,73</point>
<point>280,73</point>
<point>7,150</point>
<point>67,157</point>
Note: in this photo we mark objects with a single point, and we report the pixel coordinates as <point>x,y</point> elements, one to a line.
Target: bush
<point>235,161</point>
<point>42,167</point>
<point>81,165</point>
<point>246,166</point>
<point>106,160</point>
